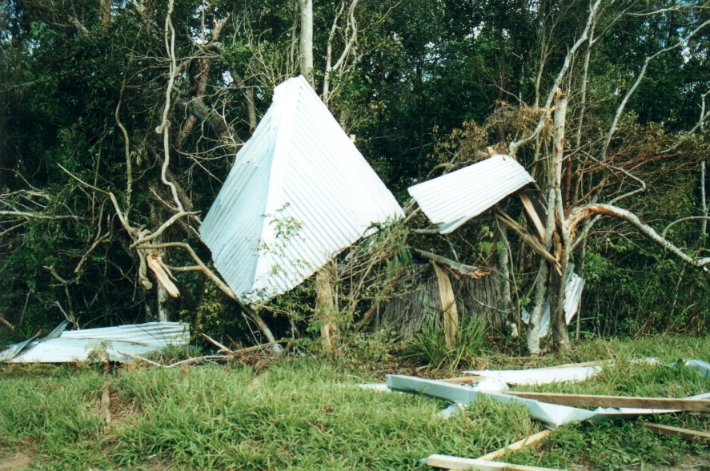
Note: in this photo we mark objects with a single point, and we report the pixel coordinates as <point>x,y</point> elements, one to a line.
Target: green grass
<point>305,414</point>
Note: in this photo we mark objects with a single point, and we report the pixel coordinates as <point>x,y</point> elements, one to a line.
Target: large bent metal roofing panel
<point>452,199</point>
<point>299,193</point>
<point>119,343</point>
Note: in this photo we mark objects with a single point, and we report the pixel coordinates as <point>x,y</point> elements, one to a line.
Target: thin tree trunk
<point>306,40</point>
<point>703,204</point>
<point>559,326</point>
<point>249,95</point>
<point>541,282</point>
<point>504,263</point>
<point>325,306</point>
<point>105,12</point>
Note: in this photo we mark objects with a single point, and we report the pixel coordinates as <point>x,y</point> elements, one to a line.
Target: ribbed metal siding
<point>452,199</point>
<point>232,228</point>
<point>134,339</point>
<point>573,295</point>
<point>315,177</point>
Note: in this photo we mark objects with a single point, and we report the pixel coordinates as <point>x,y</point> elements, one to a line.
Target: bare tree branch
<point>581,213</point>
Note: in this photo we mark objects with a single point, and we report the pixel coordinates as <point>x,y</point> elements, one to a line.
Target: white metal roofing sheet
<point>77,345</point>
<point>452,199</point>
<point>299,193</point>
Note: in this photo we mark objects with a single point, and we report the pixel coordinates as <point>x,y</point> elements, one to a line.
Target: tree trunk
<point>560,335</point>
<point>105,12</point>
<point>504,263</point>
<point>306,40</point>
<point>541,282</point>
<point>325,306</point>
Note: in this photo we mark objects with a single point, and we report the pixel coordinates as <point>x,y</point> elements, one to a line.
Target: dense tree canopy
<point>424,87</point>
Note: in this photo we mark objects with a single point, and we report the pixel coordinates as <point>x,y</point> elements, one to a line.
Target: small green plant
<point>429,344</point>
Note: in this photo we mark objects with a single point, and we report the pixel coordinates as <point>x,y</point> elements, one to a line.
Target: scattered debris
<point>702,367</point>
<point>537,376</point>
<point>299,193</point>
<point>617,402</point>
<point>693,435</point>
<point>532,440</point>
<point>550,408</point>
<point>454,462</point>
<point>118,344</point>
<point>453,199</point>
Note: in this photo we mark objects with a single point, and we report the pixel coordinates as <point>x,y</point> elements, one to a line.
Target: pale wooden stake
<point>454,462</point>
<point>589,400</point>
<point>525,442</point>
<point>463,379</point>
<point>688,434</point>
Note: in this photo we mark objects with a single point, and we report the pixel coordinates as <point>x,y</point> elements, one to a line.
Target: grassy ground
<point>305,414</point>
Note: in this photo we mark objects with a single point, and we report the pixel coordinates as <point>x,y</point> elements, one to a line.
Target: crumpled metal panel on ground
<point>118,343</point>
<point>452,199</point>
<point>553,415</point>
<point>299,193</point>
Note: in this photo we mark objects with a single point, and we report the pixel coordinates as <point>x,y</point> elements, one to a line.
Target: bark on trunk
<point>560,335</point>
<point>105,13</point>
<point>325,306</point>
<point>306,40</point>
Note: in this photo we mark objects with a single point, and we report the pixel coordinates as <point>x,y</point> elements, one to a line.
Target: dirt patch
<point>695,462</point>
<point>17,461</point>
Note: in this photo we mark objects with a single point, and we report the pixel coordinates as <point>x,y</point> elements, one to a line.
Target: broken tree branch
<point>579,214</point>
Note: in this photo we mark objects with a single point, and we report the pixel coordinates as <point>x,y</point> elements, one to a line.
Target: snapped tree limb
<point>581,213</point>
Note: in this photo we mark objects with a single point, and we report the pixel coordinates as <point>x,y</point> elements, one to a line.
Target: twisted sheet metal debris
<point>115,343</point>
<point>452,199</point>
<point>537,376</point>
<point>299,193</point>
<point>551,414</point>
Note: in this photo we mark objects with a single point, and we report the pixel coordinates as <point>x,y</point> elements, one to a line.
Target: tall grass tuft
<point>429,345</point>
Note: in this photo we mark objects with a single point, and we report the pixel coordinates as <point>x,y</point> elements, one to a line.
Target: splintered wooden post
<point>532,214</point>
<point>448,307</point>
<point>325,306</point>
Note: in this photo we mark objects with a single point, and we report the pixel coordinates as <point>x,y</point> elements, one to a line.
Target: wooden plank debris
<point>448,307</point>
<point>217,344</point>
<point>456,267</point>
<point>463,379</point>
<point>532,440</point>
<point>532,214</point>
<point>454,462</point>
<point>590,400</point>
<point>688,434</point>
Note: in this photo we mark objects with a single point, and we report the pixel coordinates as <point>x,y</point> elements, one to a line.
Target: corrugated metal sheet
<point>452,199</point>
<point>299,193</point>
<point>78,345</point>
<point>573,295</point>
